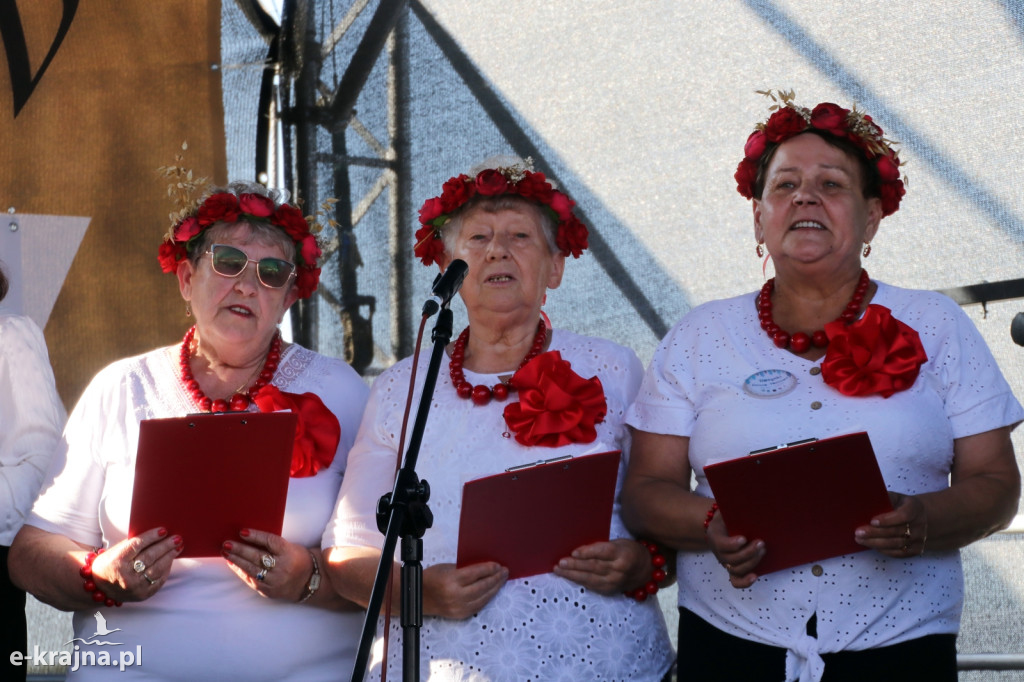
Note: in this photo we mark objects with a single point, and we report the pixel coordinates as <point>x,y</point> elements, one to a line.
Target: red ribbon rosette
<point>875,354</point>
<point>556,406</point>
<point>317,431</point>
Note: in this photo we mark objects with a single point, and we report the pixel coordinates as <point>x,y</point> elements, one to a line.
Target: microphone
<point>1017,329</point>
<point>446,285</point>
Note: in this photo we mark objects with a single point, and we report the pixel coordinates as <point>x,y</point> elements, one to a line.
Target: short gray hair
<point>493,204</point>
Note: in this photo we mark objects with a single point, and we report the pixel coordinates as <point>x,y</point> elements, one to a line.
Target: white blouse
<point>204,623</point>
<point>694,388</point>
<point>31,418</point>
<point>539,628</point>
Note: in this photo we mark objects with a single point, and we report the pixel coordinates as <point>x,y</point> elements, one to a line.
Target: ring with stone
<point>268,561</point>
<point>146,576</point>
<point>138,566</point>
<point>262,574</point>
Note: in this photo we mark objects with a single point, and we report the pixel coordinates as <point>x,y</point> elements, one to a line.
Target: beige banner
<point>94,97</point>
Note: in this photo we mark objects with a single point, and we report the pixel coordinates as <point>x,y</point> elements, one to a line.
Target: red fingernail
<point>227,546</point>
<point>162,532</point>
<point>178,541</point>
<point>244,532</point>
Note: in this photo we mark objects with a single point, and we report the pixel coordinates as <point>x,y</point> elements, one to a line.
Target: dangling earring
<point>760,250</point>
<point>867,250</point>
<point>188,308</point>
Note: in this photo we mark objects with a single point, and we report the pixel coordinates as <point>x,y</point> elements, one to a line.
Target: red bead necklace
<point>481,395</point>
<point>801,342</point>
<point>238,401</point>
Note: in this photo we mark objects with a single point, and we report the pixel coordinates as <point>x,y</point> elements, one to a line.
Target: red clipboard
<point>529,517</point>
<point>804,500</point>
<point>205,477</point>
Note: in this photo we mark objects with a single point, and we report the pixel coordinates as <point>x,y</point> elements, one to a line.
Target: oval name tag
<point>769,383</point>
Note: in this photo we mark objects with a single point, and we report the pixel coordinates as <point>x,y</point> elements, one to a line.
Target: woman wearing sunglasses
<point>264,610</point>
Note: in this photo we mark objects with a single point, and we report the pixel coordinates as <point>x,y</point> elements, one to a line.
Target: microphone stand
<point>404,512</point>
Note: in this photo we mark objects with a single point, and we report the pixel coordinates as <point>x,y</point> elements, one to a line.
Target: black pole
<point>404,512</point>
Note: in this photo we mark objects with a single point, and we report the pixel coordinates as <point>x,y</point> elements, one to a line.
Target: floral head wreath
<point>230,205</point>
<point>789,120</point>
<point>515,179</point>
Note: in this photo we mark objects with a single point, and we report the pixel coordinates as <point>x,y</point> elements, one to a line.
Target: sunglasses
<point>228,261</point>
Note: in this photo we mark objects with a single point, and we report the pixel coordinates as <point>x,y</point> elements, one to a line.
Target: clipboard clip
<point>520,467</point>
<point>781,446</point>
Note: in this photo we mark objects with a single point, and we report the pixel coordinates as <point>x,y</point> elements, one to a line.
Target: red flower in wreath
<point>256,205</point>
<point>455,192</point>
<point>317,432</point>
<point>830,117</point>
<point>187,229</point>
<point>219,208</point>
<point>572,238</point>
<point>428,249</point>
<point>556,406</point>
<point>784,124</point>
<point>491,182</point>
<point>169,255</point>
<point>876,354</point>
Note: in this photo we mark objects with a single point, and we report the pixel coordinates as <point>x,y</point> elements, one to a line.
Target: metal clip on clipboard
<point>530,465</point>
<point>783,446</point>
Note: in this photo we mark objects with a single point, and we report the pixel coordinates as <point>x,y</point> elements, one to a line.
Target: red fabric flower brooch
<point>876,354</point>
<point>556,406</point>
<point>317,431</point>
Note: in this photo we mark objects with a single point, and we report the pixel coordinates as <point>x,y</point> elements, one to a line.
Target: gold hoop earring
<point>867,250</point>
<point>759,250</point>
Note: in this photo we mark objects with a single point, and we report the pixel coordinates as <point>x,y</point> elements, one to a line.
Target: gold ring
<point>906,533</point>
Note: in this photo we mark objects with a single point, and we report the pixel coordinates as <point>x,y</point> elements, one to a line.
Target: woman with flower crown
<point>263,610</point>
<point>515,392</point>
<point>824,350</point>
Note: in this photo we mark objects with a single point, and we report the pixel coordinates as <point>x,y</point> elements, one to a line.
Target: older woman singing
<point>514,392</point>
<point>824,350</point>
<point>264,610</point>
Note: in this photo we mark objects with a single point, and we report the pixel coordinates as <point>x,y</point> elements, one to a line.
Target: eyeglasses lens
<point>230,262</point>
<point>274,272</point>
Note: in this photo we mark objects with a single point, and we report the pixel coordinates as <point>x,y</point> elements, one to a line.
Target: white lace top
<point>694,388</point>
<point>538,628</point>
<point>204,623</point>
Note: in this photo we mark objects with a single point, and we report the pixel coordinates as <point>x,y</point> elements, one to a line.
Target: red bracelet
<point>657,574</point>
<point>90,585</point>
<point>710,515</point>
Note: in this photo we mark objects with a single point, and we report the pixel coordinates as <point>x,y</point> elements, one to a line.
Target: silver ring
<point>261,575</point>
<point>146,576</point>
<point>138,566</point>
<point>268,561</point>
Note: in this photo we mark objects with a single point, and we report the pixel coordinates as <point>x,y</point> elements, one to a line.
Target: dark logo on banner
<point>23,81</point>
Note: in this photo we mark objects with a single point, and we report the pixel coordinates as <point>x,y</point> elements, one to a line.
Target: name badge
<point>769,383</point>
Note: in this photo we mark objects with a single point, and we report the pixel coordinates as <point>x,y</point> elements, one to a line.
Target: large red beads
<point>801,342</point>
<point>481,395</point>
<point>238,402</point>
